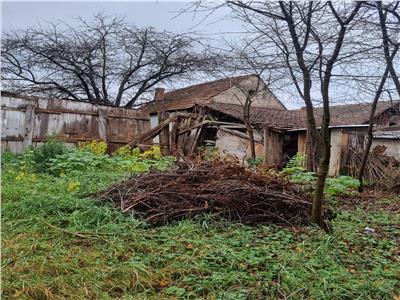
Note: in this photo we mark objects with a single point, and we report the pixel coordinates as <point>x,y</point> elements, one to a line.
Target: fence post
<point>29,125</point>
<point>162,116</point>
<point>103,126</point>
<point>266,150</point>
<point>164,134</point>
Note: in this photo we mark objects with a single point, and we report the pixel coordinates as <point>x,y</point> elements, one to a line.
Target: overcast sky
<point>162,15</point>
<point>159,14</point>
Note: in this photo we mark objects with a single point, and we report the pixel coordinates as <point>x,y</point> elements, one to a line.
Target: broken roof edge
<point>188,96</point>
<point>395,102</point>
<point>232,78</point>
<point>225,108</point>
<point>387,137</point>
<point>332,127</point>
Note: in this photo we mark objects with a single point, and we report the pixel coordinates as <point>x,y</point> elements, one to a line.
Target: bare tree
<point>390,47</point>
<point>309,37</point>
<point>103,61</point>
<point>250,93</point>
<point>243,59</point>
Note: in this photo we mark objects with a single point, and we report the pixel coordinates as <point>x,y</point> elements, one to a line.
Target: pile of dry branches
<point>382,169</point>
<point>225,190</point>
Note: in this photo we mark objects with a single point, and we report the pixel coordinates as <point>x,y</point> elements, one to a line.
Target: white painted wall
<point>336,150</point>
<point>154,123</point>
<point>236,95</point>
<point>236,146</point>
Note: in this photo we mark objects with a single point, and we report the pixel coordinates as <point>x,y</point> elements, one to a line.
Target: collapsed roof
<point>341,115</point>
<point>190,96</point>
<point>204,94</point>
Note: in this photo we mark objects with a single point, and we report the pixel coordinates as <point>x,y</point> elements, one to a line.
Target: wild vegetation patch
<point>58,243</point>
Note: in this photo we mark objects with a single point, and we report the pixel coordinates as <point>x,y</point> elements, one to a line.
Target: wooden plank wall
<point>273,147</point>
<point>30,120</point>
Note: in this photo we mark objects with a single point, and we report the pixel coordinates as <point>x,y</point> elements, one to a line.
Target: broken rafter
<point>156,130</point>
<point>195,126</point>
<point>240,134</point>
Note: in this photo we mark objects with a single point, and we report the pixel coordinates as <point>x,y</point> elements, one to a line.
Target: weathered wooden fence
<point>30,120</point>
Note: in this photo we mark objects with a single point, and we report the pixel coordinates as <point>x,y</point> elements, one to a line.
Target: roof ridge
<point>210,82</point>
<point>353,104</point>
<point>240,105</point>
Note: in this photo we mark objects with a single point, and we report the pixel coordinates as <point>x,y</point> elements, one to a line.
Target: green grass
<point>58,244</point>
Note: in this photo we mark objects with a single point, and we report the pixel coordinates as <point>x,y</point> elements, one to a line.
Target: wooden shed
<point>219,107</point>
<point>218,120</point>
<point>349,125</point>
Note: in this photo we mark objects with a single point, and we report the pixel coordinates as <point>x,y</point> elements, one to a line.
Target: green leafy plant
<point>41,157</point>
<point>334,186</point>
<point>295,165</point>
<point>253,163</point>
<point>341,185</point>
<point>82,159</point>
<point>209,153</point>
<point>77,160</point>
<point>127,152</point>
<point>96,147</point>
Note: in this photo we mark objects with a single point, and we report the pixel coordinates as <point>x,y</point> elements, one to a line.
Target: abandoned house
<point>220,106</point>
<point>213,114</point>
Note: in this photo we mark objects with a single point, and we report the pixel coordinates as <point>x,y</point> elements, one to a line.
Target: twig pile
<point>384,170</point>
<point>226,190</point>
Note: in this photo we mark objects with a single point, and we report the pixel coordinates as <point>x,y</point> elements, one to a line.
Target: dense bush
<point>96,147</point>
<point>341,185</point>
<point>42,155</point>
<point>77,160</point>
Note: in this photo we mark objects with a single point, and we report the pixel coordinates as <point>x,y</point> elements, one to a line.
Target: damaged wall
<point>392,146</point>
<point>236,95</point>
<point>237,146</point>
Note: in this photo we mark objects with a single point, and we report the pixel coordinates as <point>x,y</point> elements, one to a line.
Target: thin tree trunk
<point>249,129</point>
<point>386,47</point>
<point>371,124</point>
<point>311,158</point>
<point>251,139</point>
<point>321,179</point>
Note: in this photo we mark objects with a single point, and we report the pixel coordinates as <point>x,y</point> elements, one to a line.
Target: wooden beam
<point>240,134</point>
<point>29,125</point>
<point>156,130</point>
<point>164,134</point>
<point>102,121</point>
<point>265,133</point>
